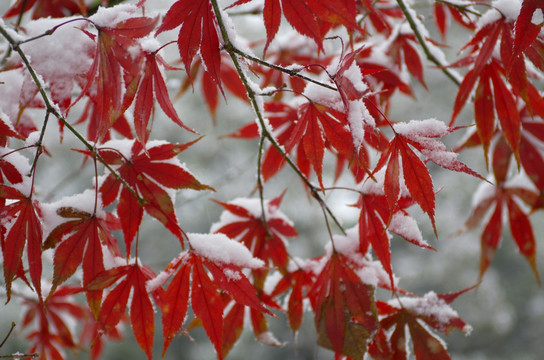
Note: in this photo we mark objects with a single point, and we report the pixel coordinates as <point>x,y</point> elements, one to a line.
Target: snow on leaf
<point>220,249</point>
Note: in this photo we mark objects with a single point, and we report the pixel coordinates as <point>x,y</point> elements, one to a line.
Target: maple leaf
<point>197,34</point>
<point>413,316</point>
<point>52,331</point>
<point>153,83</point>
<point>116,65</point>
<point>299,282</point>
<point>23,228</point>
<point>147,171</point>
<point>223,257</point>
<point>525,28</point>
<point>345,312</point>
<point>243,222</point>
<point>307,17</point>
<point>496,200</point>
<point>79,241</point>
<point>317,123</point>
<point>442,13</point>
<point>45,8</point>
<point>132,281</point>
<point>421,135</point>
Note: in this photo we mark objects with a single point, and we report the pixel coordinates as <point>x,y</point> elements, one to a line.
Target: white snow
<point>218,247</point>
<point>111,16</point>
<point>406,226</point>
<point>60,57</point>
<point>499,8</point>
<point>429,305</point>
<point>422,128</point>
<point>357,115</point>
<point>538,17</point>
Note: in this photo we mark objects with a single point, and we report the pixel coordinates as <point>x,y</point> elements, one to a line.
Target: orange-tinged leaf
<point>232,327</point>
<point>344,307</point>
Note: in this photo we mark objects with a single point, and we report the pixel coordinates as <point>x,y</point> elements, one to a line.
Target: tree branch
<point>52,109</point>
<point>262,124</point>
<point>423,43</point>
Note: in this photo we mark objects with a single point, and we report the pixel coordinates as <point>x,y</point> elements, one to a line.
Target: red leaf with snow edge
<point>417,179</point>
<point>231,279</point>
<point>372,228</point>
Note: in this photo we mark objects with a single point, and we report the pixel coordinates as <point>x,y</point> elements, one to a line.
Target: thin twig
<point>264,130</point>
<point>8,334</point>
<point>54,110</point>
<point>423,43</point>
<point>280,68</point>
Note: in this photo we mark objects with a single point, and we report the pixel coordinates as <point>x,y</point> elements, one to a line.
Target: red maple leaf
<point>422,136</point>
<point>79,240</point>
<point>264,235</point>
<point>131,280</point>
<point>52,332</point>
<point>115,67</point>
<point>152,86</point>
<point>404,318</point>
<point>147,171</point>
<point>309,18</point>
<point>45,8</point>
<point>345,312</point>
<point>197,34</point>
<point>223,258</point>
<point>23,228</point>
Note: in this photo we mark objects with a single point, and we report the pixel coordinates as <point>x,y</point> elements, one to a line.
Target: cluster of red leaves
<point>122,86</point>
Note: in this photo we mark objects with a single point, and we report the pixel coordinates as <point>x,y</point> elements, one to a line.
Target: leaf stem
<point>423,43</point>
